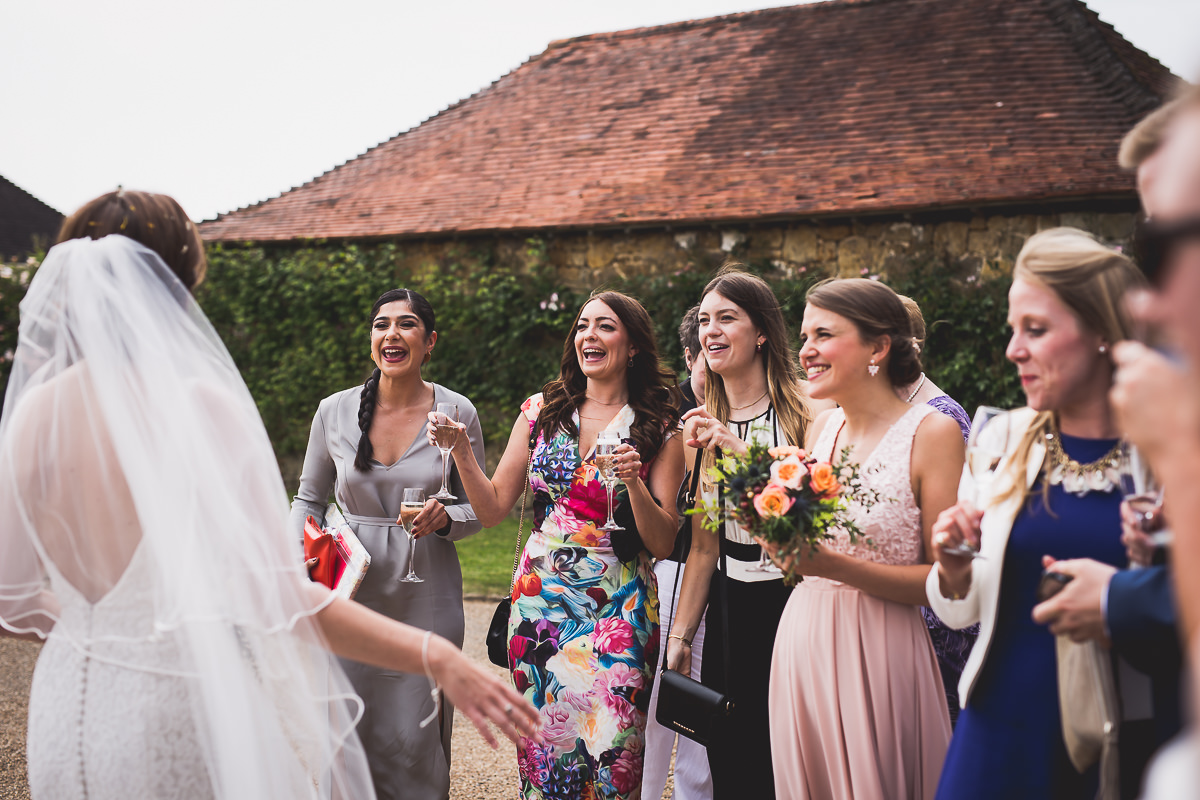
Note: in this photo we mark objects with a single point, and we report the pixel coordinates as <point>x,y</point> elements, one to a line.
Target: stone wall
<point>981,243</point>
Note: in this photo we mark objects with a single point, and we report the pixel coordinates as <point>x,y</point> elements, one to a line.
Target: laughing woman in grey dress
<point>367,444</point>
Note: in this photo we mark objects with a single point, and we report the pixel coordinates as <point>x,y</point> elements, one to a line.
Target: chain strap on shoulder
<point>521,523</point>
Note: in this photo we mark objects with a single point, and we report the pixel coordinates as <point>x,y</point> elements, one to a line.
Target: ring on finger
<point>508,710</point>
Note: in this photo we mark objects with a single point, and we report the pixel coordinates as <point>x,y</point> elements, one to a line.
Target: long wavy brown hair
<point>752,294</point>
<point>653,395</point>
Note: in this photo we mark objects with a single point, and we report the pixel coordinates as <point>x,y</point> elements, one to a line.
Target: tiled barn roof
<point>845,107</point>
<point>22,217</point>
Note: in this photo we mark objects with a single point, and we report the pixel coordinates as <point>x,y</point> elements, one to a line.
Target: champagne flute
<point>446,431</point>
<point>986,447</point>
<point>607,443</point>
<point>1144,494</point>
<point>410,506</point>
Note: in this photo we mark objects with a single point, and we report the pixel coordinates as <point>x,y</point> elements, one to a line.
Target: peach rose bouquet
<point>784,496</point>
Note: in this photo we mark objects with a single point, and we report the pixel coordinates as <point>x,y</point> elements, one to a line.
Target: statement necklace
<point>1101,475</point>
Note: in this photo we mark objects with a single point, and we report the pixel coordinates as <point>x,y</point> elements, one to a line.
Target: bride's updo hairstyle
<point>366,400</point>
<point>876,311</point>
<point>154,220</point>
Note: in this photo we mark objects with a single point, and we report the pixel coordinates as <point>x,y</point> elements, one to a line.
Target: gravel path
<point>476,773</point>
<point>16,671</point>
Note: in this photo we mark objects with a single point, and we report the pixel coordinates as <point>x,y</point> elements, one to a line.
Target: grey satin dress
<point>406,761</point>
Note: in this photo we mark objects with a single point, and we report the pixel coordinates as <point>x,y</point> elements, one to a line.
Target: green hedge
<point>294,320</point>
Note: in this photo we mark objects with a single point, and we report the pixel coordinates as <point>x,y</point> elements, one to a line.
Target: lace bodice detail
<point>99,728</point>
<point>892,525</point>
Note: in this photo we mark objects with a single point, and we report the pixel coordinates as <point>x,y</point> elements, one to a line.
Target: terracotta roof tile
<point>842,107</point>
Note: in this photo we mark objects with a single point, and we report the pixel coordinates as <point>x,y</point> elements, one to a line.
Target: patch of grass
<point>487,559</point>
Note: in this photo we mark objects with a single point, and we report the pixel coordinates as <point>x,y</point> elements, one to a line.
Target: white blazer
<point>983,596</point>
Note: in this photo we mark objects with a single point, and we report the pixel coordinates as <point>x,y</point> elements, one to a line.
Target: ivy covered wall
<point>294,319</point>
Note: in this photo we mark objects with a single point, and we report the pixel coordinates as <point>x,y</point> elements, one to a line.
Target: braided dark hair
<point>370,390</point>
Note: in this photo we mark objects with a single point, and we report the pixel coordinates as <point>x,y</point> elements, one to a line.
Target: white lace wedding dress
<point>143,532</point>
<point>101,730</point>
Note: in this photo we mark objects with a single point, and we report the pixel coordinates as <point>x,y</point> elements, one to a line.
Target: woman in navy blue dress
<point>1054,493</point>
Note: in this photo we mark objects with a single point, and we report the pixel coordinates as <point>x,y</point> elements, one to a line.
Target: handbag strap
<point>521,523</point>
<point>724,572</point>
<point>689,500</point>
<point>721,567</point>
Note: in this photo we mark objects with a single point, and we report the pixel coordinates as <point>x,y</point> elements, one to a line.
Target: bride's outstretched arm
<point>356,632</point>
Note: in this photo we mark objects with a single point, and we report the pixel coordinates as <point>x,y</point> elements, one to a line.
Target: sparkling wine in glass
<point>607,443</point>
<point>411,504</point>
<point>1144,495</point>
<point>986,447</point>
<point>445,432</point>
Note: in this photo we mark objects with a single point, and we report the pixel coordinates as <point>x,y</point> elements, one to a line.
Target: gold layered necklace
<point>1101,475</point>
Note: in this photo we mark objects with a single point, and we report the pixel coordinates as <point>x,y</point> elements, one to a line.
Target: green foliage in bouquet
<point>785,497</point>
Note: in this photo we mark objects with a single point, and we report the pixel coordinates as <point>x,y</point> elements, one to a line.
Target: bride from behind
<point>144,536</point>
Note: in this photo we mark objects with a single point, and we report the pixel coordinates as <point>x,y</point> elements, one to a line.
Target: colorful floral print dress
<point>583,634</point>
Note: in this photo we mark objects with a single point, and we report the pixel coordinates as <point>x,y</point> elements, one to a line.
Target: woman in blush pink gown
<point>857,705</point>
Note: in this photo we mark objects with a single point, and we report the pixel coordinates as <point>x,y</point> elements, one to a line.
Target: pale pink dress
<point>857,707</point>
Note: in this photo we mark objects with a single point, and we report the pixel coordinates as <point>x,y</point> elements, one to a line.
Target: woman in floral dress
<point>584,627</point>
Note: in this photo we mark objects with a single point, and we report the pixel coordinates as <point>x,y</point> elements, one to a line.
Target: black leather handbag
<point>686,706</point>
<point>497,633</point>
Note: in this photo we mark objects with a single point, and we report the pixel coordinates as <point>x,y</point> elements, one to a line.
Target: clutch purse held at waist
<point>342,561</point>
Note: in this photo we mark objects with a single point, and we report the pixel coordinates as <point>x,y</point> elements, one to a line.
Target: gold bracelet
<point>688,642</point>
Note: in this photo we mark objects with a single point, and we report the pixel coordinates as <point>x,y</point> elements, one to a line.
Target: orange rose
<point>772,501</point>
<point>823,481</point>
<point>784,450</point>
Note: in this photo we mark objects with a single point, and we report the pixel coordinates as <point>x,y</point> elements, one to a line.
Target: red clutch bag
<point>322,546</point>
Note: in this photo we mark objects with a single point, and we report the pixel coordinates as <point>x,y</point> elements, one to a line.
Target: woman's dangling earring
<point>758,347</point>
<point>873,368</point>
<point>630,363</point>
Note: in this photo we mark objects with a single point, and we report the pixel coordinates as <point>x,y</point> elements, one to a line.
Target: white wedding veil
<point>143,520</point>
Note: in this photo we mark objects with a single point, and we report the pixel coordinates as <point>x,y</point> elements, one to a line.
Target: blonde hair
<point>1145,138</point>
<point>915,319</point>
<point>1090,279</point>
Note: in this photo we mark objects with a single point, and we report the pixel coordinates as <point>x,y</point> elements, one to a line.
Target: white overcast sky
<point>228,102</point>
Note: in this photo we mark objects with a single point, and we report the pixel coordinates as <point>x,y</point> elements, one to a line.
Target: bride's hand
<point>431,431</point>
<point>482,697</point>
